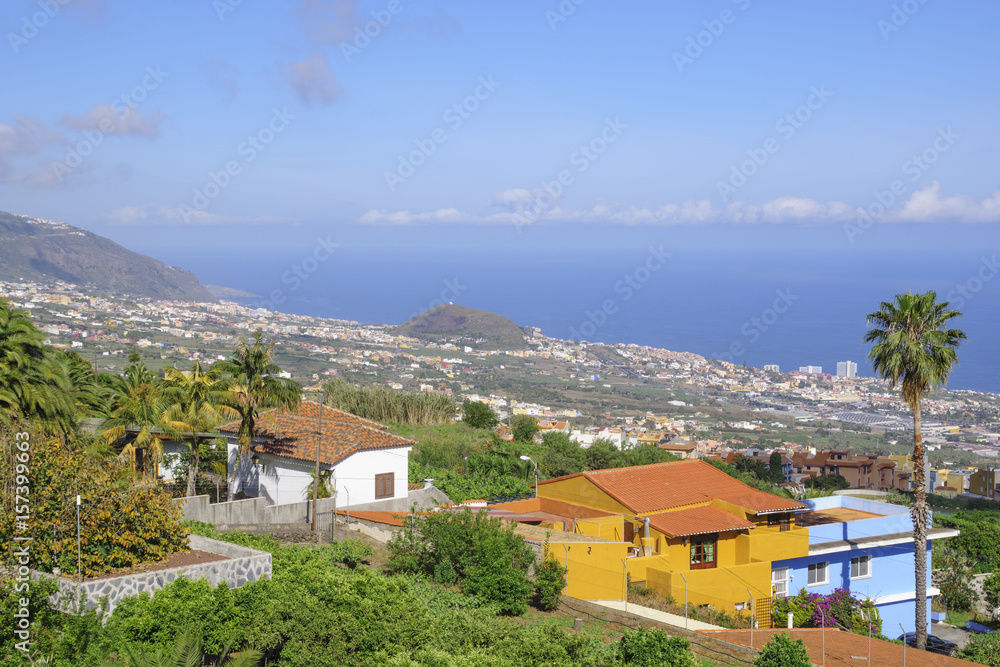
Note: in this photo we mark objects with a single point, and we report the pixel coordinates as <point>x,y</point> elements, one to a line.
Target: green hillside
<point>43,251</point>
<point>464,326</point>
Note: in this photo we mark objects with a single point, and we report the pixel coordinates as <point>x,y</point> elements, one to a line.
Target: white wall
<point>281,480</point>
<point>356,474</point>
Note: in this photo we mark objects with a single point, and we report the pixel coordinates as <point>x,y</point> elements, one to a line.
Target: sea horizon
<point>755,308</point>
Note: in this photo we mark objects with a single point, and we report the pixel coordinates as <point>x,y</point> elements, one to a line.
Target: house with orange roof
<point>696,533</point>
<point>362,461</point>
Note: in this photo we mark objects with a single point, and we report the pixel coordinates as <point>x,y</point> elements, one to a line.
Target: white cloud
<point>105,118</point>
<point>927,205</point>
<point>522,206</point>
<point>174,215</point>
<point>313,79</point>
<point>25,136</point>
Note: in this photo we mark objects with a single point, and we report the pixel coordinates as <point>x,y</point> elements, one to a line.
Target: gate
<point>762,612</point>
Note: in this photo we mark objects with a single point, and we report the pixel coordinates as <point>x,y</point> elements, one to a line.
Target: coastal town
<point>626,394</point>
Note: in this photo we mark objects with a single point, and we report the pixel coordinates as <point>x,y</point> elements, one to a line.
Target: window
<point>779,582</point>
<point>703,553</point>
<point>780,521</point>
<point>818,573</point>
<point>861,567</point>
<point>385,485</point>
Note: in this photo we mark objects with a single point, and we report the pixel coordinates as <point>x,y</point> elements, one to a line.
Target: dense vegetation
<point>322,609</point>
<point>386,405</point>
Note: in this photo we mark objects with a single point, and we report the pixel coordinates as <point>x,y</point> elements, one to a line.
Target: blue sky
<point>258,124</point>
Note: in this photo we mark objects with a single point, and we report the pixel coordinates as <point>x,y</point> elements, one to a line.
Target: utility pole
<point>319,437</point>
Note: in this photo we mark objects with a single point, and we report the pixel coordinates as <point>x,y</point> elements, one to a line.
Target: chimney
<point>428,483</point>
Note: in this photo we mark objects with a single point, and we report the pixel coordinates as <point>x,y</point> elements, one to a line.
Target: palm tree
<point>196,403</point>
<point>139,404</point>
<point>187,652</point>
<point>34,383</point>
<point>254,386</point>
<point>915,349</point>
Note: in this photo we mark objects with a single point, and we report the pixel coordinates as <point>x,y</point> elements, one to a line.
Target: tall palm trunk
<point>193,468</point>
<point>919,514</point>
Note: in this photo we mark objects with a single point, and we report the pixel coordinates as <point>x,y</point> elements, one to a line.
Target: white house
<point>365,463</point>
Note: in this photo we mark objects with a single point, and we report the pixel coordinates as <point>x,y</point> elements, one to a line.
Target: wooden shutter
<point>385,485</point>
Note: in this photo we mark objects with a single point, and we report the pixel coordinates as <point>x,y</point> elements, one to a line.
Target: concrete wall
<point>891,519</point>
<point>257,511</point>
<point>242,565</point>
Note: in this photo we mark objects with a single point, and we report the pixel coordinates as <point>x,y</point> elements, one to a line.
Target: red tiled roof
<point>662,486</point>
<point>294,434</point>
<point>842,649</point>
<point>697,521</point>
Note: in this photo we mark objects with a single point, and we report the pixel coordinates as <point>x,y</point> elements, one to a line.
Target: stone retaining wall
<point>242,565</point>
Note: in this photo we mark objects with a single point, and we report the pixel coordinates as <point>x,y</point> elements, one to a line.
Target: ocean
<point>785,307</point>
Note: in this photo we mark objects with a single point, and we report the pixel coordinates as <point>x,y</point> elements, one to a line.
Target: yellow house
<point>694,531</point>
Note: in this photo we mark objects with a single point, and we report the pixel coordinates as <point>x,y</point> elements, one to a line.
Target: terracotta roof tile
<point>294,434</point>
<point>663,486</point>
<point>697,521</point>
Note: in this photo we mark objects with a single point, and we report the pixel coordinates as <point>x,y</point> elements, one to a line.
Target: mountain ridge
<point>41,250</point>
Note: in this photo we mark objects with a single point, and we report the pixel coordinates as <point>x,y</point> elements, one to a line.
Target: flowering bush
<point>838,609</point>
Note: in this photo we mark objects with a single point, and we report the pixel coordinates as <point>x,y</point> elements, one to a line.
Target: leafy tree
<point>550,580</point>
<point>479,415</point>
<point>829,482</point>
<point>991,594</point>
<point>523,428</point>
<point>490,561</point>
<point>774,466</point>
<point>255,386</point>
<point>196,403</point>
<point>602,454</point>
<point>123,520</point>
<point>783,651</point>
<point>562,456</point>
<point>914,348</point>
<point>953,576</point>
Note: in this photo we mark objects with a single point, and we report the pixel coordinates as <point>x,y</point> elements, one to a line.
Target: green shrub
<point>783,651</point>
<point>550,580</point>
<point>654,647</point>
<point>489,560</point>
<point>983,649</point>
<point>444,573</point>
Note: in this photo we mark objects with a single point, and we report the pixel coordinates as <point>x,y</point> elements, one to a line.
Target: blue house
<point>865,547</point>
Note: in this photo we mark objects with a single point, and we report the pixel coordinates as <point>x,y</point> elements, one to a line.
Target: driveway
<point>951,633</point>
